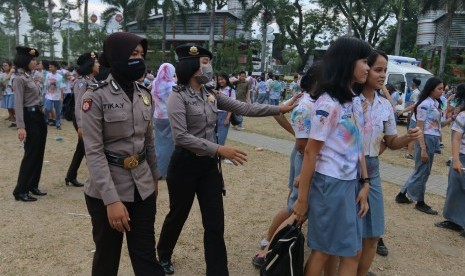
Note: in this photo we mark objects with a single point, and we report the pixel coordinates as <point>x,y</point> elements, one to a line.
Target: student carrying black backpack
<point>285,256</point>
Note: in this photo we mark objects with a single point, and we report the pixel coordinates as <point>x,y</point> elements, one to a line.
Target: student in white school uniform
<point>454,206</point>
<point>380,127</point>
<point>428,117</point>
<point>332,196</point>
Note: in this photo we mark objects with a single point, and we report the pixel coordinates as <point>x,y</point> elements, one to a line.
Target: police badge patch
<point>80,85</point>
<point>86,104</point>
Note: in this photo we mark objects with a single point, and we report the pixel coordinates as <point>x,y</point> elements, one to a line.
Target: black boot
<point>73,182</point>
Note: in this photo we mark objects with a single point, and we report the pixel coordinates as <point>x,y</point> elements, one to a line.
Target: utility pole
<point>50,34</point>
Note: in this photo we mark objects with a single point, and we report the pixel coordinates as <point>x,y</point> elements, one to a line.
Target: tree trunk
<point>212,26</point>
<point>163,35</point>
<point>263,59</point>
<point>448,23</point>
<point>50,34</point>
<point>400,20</point>
<point>86,22</point>
<point>17,19</point>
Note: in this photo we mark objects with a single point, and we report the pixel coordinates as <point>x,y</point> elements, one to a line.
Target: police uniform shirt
<point>27,94</point>
<point>111,122</point>
<point>80,87</point>
<point>193,117</point>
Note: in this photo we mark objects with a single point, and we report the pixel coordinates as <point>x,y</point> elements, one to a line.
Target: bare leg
<point>348,265</point>
<point>368,255</point>
<point>315,263</point>
<point>331,266</point>
<point>278,219</point>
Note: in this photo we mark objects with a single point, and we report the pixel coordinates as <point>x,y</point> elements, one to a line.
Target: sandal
<point>449,225</point>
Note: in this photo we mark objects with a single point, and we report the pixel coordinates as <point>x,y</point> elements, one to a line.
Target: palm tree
<point>170,9</point>
<point>265,9</point>
<point>450,6</point>
<point>143,11</point>
<point>127,8</point>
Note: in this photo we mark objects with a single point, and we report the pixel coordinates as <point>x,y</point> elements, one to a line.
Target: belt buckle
<point>131,162</point>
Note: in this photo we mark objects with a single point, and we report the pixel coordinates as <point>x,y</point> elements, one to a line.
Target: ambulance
<point>400,73</point>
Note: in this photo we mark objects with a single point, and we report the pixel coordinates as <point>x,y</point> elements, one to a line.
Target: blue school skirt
<point>373,222</point>
<point>454,207</point>
<point>334,227</point>
<point>8,101</point>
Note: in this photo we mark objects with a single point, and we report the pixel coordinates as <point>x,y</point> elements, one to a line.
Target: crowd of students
<point>342,122</point>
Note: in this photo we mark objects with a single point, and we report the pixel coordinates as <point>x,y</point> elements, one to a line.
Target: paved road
<point>437,184</point>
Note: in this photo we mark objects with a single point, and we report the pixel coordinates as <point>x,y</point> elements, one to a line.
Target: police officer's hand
<point>414,134</point>
<point>226,121</point>
<point>118,216</point>
<point>80,132</point>
<point>21,134</point>
<point>300,209</point>
<point>235,155</point>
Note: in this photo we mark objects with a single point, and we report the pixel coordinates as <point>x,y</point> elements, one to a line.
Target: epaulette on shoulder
<point>97,85</point>
<point>141,86</point>
<point>179,88</point>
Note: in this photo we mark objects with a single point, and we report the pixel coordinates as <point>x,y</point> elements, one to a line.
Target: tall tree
<point>365,18</point>
<point>451,7</point>
<point>264,9</point>
<point>170,10</point>
<point>127,8</point>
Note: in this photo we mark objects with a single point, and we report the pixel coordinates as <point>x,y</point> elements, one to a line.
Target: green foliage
<point>409,37</point>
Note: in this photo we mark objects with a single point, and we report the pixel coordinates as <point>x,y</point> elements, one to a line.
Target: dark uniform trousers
<point>79,153</point>
<point>190,175</point>
<point>34,149</point>
<point>141,238</point>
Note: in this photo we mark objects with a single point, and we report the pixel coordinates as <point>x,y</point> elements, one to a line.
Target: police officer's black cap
<point>27,51</point>
<point>187,51</point>
<point>87,57</point>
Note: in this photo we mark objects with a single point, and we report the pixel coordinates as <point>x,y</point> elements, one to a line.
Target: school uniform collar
<point>376,99</point>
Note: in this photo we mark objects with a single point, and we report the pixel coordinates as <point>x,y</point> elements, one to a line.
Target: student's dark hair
<point>7,62</point>
<point>309,80</point>
<point>225,76</point>
<point>22,61</point>
<point>390,88</point>
<point>372,58</point>
<point>430,85</point>
<point>45,64</point>
<point>460,96</point>
<point>186,68</point>
<point>262,78</point>
<point>242,72</point>
<point>338,67</point>
<point>54,63</point>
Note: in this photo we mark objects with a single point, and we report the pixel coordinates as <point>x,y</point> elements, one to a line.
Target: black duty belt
<point>127,162</point>
<point>188,152</point>
<point>33,108</point>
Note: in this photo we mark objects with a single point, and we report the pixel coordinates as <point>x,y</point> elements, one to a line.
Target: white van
<point>400,73</point>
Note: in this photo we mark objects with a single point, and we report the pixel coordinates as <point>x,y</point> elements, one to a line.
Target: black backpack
<point>286,253</point>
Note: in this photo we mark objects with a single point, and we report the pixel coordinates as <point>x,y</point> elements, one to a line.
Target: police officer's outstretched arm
<point>99,171</point>
<point>177,116</point>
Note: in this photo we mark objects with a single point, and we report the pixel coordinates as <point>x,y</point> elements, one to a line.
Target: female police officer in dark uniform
<point>87,70</point>
<point>32,129</point>
<point>117,129</point>
<point>193,169</point>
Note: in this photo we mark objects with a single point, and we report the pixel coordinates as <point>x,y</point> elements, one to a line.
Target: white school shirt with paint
<point>340,127</point>
<point>428,112</point>
<point>228,92</point>
<point>379,121</point>
<point>53,85</point>
<point>459,126</point>
<point>262,87</point>
<point>414,97</point>
<point>395,97</point>
<point>301,116</point>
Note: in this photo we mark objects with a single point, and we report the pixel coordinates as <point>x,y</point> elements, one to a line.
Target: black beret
<point>192,51</point>
<point>26,51</point>
<point>87,57</point>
